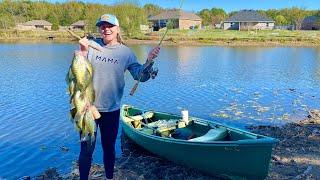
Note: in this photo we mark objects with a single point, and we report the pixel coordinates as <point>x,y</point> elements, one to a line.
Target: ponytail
<point>119,38</point>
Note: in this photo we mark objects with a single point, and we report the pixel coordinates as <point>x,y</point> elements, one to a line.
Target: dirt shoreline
<point>296,156</point>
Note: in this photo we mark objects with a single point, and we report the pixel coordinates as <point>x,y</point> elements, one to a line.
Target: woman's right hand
<point>84,44</point>
<point>81,53</point>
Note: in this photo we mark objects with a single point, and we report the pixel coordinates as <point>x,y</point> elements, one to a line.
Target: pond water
<point>237,86</point>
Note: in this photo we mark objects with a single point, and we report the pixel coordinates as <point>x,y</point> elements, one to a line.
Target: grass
<point>7,35</point>
<point>202,36</point>
<point>244,36</point>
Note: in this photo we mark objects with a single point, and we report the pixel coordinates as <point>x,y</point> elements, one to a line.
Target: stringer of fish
<point>81,92</point>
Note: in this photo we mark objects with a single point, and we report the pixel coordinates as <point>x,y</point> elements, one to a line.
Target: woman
<point>109,63</point>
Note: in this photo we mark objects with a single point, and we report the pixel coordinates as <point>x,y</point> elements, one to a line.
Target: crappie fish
<point>90,125</point>
<point>90,93</point>
<point>82,71</point>
<point>80,89</point>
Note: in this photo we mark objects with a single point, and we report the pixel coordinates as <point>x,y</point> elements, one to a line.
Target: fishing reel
<point>91,36</point>
<point>153,72</point>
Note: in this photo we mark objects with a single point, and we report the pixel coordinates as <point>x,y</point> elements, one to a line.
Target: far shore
<point>169,42</point>
<point>271,38</point>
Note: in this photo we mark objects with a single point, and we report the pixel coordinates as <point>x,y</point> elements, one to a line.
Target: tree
<point>52,17</point>
<point>38,10</point>
<point>130,17</point>
<point>298,16</point>
<point>151,9</point>
<point>205,16</point>
<point>6,21</point>
<point>217,15</point>
<point>91,13</point>
<point>71,12</point>
<point>132,2</point>
<point>272,13</point>
<point>317,23</point>
<point>281,20</point>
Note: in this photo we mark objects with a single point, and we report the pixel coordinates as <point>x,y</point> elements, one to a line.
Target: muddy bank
<point>296,156</point>
<point>135,164</point>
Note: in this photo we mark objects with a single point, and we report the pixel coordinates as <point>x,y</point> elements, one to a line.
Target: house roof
<point>79,23</point>
<point>175,14</point>
<point>311,19</point>
<point>37,23</point>
<point>248,16</point>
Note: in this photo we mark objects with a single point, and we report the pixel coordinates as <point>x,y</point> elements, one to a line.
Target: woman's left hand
<point>153,53</point>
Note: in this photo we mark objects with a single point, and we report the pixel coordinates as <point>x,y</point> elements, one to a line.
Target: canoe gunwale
<point>241,159</point>
<point>262,141</point>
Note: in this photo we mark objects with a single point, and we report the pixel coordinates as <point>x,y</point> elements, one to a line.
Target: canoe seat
<point>146,115</point>
<point>212,135</point>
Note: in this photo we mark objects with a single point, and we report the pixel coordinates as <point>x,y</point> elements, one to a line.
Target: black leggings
<point>108,125</point>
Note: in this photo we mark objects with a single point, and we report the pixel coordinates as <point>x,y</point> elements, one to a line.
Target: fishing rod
<point>93,45</point>
<point>135,86</point>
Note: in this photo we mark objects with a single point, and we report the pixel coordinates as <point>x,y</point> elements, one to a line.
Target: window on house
<point>267,24</point>
<point>162,23</point>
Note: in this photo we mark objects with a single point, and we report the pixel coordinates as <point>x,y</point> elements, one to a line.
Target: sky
<point>227,5</point>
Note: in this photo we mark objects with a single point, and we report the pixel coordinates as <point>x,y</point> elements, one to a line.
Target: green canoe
<point>210,147</point>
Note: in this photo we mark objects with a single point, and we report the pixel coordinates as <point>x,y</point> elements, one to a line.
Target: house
<point>178,19</point>
<point>248,19</point>
<point>35,25</point>
<point>311,23</point>
<point>285,27</point>
<point>79,25</point>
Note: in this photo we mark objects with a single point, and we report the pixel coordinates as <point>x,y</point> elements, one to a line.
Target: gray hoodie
<point>109,67</point>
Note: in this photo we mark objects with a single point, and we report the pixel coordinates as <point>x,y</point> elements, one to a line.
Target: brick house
<point>180,20</point>
<point>248,19</point>
<point>311,23</point>
<point>79,25</point>
<point>35,25</point>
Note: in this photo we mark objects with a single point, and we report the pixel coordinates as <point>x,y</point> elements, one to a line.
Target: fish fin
<point>89,68</point>
<point>73,113</point>
<point>78,118</point>
<point>71,100</point>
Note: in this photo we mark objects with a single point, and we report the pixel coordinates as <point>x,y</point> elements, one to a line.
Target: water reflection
<point>257,81</point>
<point>316,69</point>
<point>234,86</point>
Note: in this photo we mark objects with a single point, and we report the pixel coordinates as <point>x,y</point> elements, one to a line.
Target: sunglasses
<point>106,25</point>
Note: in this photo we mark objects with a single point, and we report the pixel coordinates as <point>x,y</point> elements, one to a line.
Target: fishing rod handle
<point>134,88</point>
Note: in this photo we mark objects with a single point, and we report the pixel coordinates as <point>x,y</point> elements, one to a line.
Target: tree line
<point>129,13</point>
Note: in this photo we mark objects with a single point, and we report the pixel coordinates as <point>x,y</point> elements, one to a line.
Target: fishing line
<point>135,86</point>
